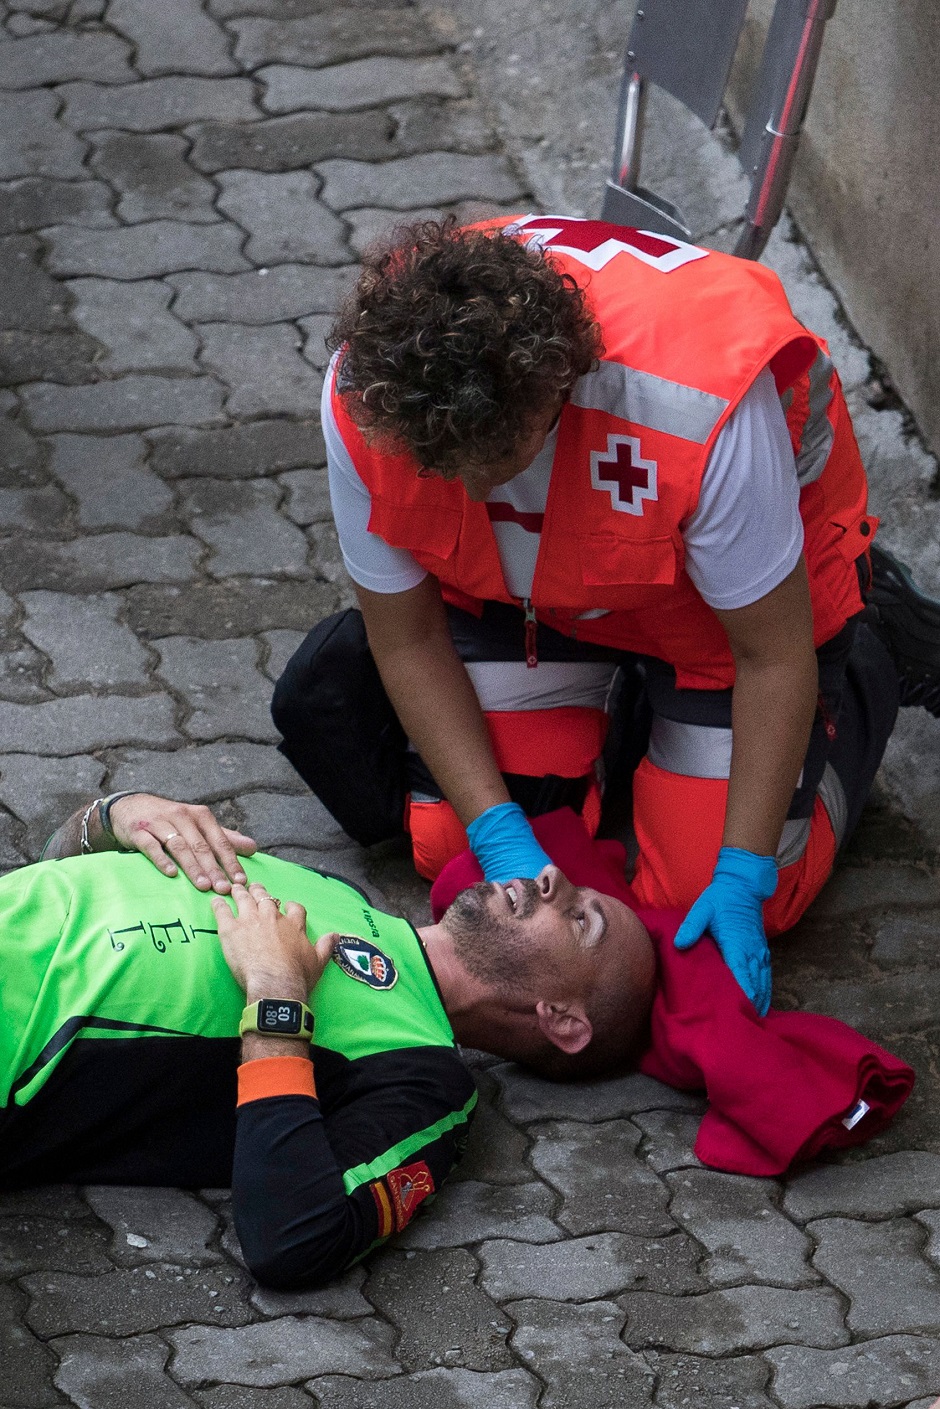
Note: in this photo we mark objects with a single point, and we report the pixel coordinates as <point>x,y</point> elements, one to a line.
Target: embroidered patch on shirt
<point>363,961</point>
<point>383,1207</point>
<point>409,1187</point>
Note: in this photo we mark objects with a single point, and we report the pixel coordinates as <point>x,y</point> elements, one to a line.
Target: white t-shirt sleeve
<point>370,561</point>
<point>746,535</point>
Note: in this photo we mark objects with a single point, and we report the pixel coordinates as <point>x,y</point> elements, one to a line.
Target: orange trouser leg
<point>678,823</point>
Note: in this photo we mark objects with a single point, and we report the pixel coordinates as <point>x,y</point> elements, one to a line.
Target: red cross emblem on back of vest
<point>596,242</point>
<point>623,473</point>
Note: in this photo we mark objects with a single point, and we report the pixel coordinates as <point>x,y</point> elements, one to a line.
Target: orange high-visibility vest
<point>686,332</point>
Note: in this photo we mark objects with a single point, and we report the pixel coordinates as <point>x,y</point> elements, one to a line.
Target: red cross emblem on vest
<point>596,242</point>
<point>622,472</point>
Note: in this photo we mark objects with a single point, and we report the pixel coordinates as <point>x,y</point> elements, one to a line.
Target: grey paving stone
<point>156,104</point>
<point>245,530</point>
<point>739,1318</point>
<point>64,55</point>
<point>47,357</point>
<point>283,216</point>
<point>241,1397</point>
<point>886,1372</point>
<point>308,497</point>
<point>434,126</point>
<point>33,510</point>
<point>854,889</point>
<point>288,9</point>
<point>342,1298</point>
<point>292,142</point>
<point>84,640</point>
<point>897,1003</point>
<point>577,1350</point>
<point>177,37</point>
<point>281,645</point>
<point>20,24</point>
<point>132,323</point>
<point>8,607</point>
<point>526,1097</point>
<point>930,1219</point>
<point>22,672</point>
<point>149,249</point>
<point>316,329</point>
<point>496,1151</point>
<point>902,940</point>
<point>230,608</point>
<point>333,37</point>
<point>35,201</point>
<point>131,1300</point>
<point>262,296</point>
<point>280,819</point>
<point>290,1348</point>
<point>668,1139</point>
<point>42,792</point>
<point>35,144</point>
<point>237,452</point>
<point>221,684</point>
<point>155,1225</point>
<point>155,180</point>
<point>373,223</point>
<point>28,1365</point>
<point>881,1269</point>
<point>874,1188</point>
<point>12,855</point>
<point>364,83</point>
<point>426,179</point>
<point>80,725</point>
<point>20,455</point>
<point>582,1269</point>
<point>135,402</point>
<point>737,1383</point>
<point>60,1201</point>
<point>98,1373</point>
<point>747,1238</point>
<point>108,478</point>
<point>101,562</point>
<point>441,1315</point>
<point>262,367</point>
<point>603,1185</point>
<point>203,774</point>
<point>28,1244</point>
<point>470,1211</point>
<point>29,299</point>
<point>430,1389</point>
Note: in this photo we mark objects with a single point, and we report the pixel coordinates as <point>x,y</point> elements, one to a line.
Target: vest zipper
<point>531,626</point>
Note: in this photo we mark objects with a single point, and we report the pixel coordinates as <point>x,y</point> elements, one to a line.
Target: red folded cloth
<point>782,1088</point>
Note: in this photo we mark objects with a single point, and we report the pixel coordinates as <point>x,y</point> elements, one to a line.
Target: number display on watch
<point>277,1017</point>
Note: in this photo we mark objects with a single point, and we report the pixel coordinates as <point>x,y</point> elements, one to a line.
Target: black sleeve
<point>396,1134</point>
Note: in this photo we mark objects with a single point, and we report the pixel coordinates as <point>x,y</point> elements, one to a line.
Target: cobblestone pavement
<point>184,190</point>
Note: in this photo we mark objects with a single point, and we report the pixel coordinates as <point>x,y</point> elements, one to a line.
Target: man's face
<point>548,931</point>
<point>480,480</point>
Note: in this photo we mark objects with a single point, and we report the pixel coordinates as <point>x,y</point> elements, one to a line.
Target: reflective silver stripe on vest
<point>694,750</point>
<point>816,441</point>
<point>503,685</point>
<point>651,401</point>
<point>833,800</point>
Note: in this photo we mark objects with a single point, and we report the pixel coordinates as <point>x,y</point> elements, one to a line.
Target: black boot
<point>908,623</point>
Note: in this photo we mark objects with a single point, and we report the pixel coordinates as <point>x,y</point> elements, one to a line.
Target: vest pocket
<point>609,560</point>
<point>854,538</point>
<point>421,529</point>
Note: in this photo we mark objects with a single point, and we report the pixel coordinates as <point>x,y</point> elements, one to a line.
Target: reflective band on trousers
<point>704,751</point>
<point>509,685</point>
<point>818,434</point>
<point>648,400</point>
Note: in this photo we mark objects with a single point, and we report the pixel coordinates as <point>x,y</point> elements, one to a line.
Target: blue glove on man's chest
<point>731,910</point>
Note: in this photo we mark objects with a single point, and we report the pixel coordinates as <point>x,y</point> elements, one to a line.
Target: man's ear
<point>566,1025</point>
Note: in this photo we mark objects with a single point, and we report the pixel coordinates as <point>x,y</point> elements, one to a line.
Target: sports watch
<point>277,1017</point>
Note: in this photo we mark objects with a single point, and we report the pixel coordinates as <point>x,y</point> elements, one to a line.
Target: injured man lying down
<point>178,1010</point>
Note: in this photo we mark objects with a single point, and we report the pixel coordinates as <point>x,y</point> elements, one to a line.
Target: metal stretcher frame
<point>686,47</point>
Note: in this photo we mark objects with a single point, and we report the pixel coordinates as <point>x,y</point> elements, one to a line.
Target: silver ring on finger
<point>167,840</point>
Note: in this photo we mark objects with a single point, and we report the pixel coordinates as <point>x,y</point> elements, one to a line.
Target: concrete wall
<point>866,188</point>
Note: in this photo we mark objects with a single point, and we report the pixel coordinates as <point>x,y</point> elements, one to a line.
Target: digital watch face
<point>282,1016</point>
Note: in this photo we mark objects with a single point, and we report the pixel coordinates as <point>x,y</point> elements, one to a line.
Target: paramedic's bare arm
<point>773,705</point>
<point>432,694</point>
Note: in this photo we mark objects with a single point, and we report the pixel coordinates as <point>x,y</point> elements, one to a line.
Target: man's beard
<point>494,948</point>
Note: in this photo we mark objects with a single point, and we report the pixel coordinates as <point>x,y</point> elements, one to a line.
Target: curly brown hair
<point>455,338</point>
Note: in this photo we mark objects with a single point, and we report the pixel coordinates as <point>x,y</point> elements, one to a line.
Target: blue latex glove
<point>503,843</point>
<point>730,910</point>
